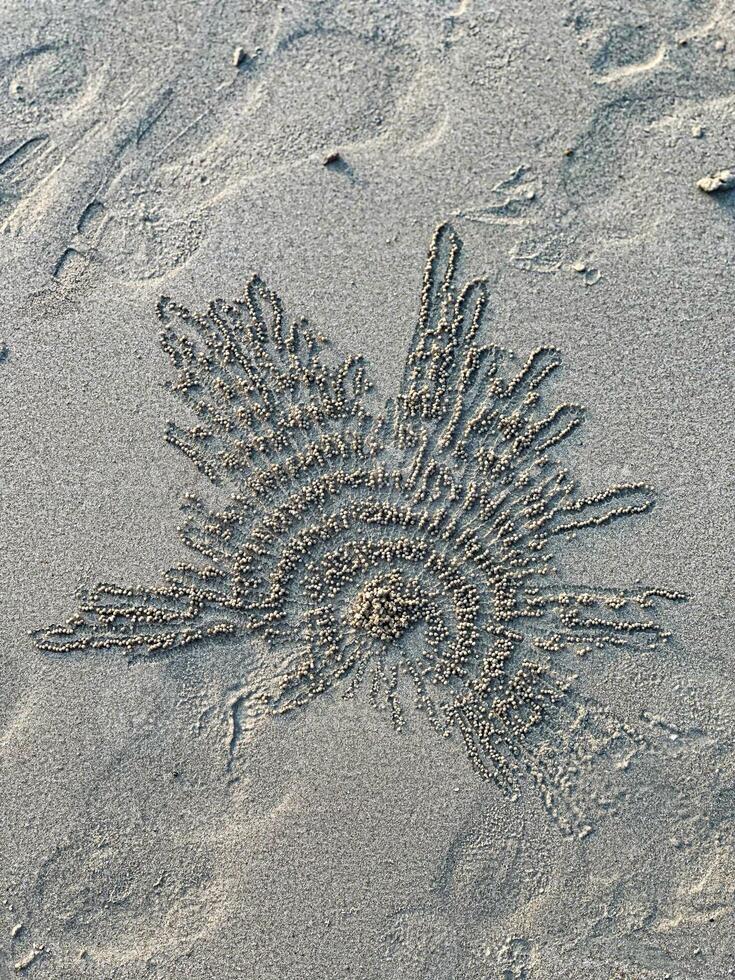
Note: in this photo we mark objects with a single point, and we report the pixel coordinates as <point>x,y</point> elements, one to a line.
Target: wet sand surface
<point>160,816</point>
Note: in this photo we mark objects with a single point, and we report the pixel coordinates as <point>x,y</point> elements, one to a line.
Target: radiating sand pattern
<point>410,554</point>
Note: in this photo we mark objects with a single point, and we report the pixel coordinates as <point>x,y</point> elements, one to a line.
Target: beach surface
<point>150,827</point>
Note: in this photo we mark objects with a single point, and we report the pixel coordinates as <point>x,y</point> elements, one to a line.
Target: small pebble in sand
<point>239,57</point>
<point>697,132</point>
<point>722,180</point>
<point>579,266</point>
<point>720,44</point>
<point>332,158</point>
<point>568,151</point>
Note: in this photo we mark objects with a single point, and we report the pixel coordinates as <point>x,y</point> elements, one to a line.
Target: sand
<point>157,819</point>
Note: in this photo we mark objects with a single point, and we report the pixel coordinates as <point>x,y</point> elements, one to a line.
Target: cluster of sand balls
<point>386,607</point>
